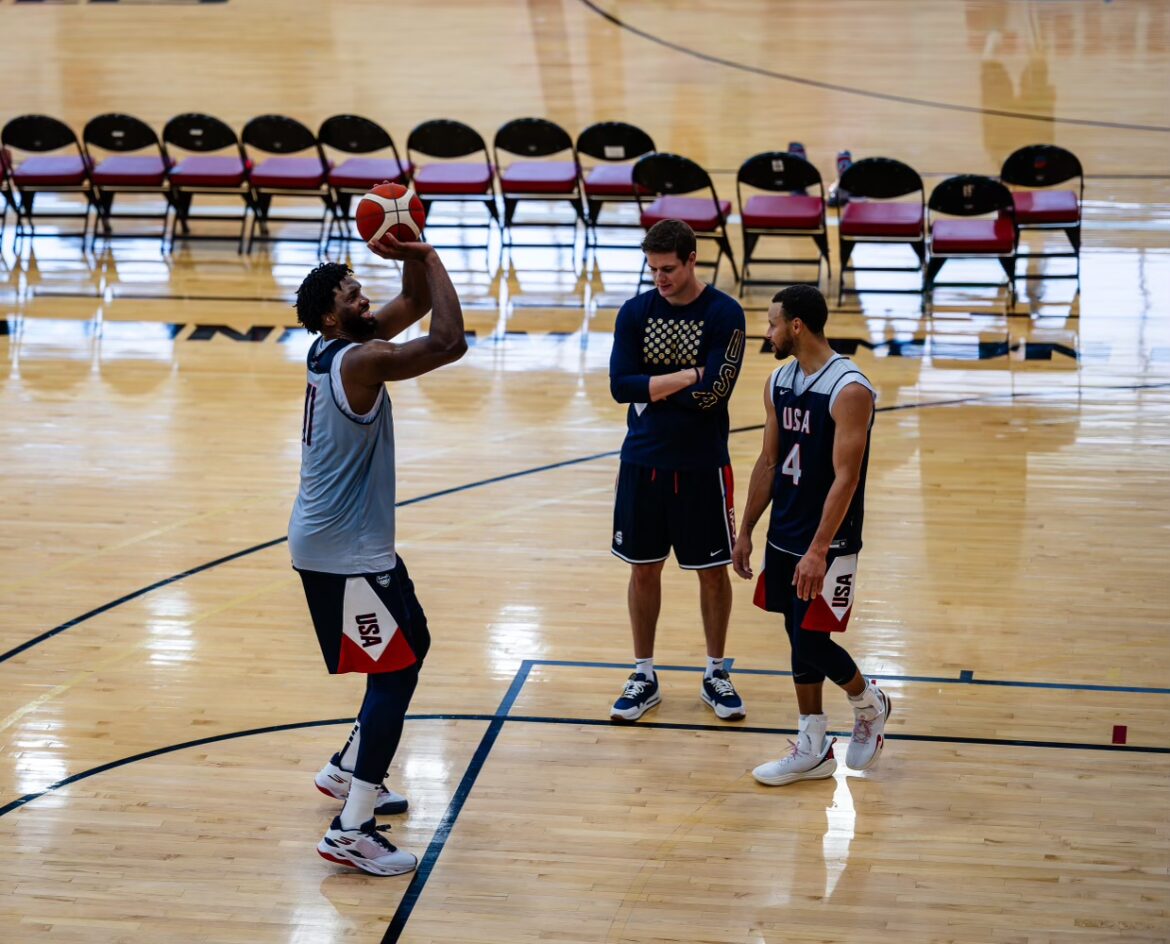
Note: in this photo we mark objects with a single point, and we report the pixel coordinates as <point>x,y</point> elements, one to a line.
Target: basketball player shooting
<point>341,533</point>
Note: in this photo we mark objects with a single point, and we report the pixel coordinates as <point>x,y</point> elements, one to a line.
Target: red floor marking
<point>1119,731</point>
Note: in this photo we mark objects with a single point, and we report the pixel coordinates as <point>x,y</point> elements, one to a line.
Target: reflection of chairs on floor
<point>284,175</point>
<point>955,233</point>
<point>881,216</point>
<point>44,172</point>
<point>527,178</point>
<point>446,177</point>
<point>782,208</point>
<point>189,141</point>
<point>662,184</point>
<point>134,163</point>
<point>613,146</point>
<point>352,134</point>
<point>1042,168</point>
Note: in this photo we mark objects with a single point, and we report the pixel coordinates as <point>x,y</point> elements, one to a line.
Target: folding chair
<point>43,172</point>
<point>661,182</point>
<point>352,134</point>
<point>616,145</point>
<point>5,188</point>
<point>121,171</point>
<point>285,176</point>
<point>527,178</point>
<point>878,217</point>
<point>202,172</point>
<point>447,179</point>
<point>1042,167</point>
<point>783,209</point>
<point>967,196</point>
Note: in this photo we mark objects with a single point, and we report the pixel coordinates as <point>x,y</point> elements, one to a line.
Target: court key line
<point>864,93</point>
<point>228,558</point>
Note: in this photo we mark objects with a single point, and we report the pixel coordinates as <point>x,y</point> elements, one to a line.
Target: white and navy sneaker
<point>365,848</point>
<point>720,694</point>
<point>638,697</point>
<point>869,725</point>
<point>801,763</point>
<point>334,782</point>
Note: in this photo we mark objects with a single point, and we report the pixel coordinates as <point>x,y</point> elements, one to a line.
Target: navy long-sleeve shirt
<point>687,430</point>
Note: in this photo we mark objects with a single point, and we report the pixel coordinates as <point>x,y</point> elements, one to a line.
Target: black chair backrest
<point>354,134</point>
<point>278,134</point>
<point>117,132</point>
<point>880,178</point>
<point>778,171</point>
<point>533,137</point>
<point>971,195</point>
<point>670,174</point>
<point>614,141</point>
<point>196,132</point>
<point>445,138</point>
<point>37,133</point>
<point>1040,165</point>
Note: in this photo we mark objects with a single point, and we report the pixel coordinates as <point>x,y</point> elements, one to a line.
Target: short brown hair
<point>806,303</point>
<point>670,236</point>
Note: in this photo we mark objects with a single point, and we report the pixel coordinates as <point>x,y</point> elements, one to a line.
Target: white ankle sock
<point>869,697</point>
<point>359,805</point>
<point>347,758</point>
<point>713,666</point>
<point>645,667</point>
<point>812,732</point>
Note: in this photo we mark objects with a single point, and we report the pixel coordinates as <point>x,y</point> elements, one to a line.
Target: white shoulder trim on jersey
<point>844,374</point>
<point>782,379</point>
<point>338,390</point>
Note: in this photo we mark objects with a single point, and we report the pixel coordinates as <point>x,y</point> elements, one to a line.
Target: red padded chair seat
<point>209,172</point>
<point>973,237</point>
<point>290,173</point>
<point>1046,206</point>
<point>64,171</point>
<point>456,178</point>
<point>611,180</point>
<point>882,219</point>
<point>125,171</point>
<point>783,212</point>
<point>539,177</point>
<point>362,173</point>
<point>698,212</point>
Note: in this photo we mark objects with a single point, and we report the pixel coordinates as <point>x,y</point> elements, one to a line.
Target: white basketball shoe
<point>365,848</point>
<point>334,782</point>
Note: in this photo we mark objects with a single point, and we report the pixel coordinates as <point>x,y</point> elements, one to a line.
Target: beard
<point>359,327</point>
<point>783,352</point>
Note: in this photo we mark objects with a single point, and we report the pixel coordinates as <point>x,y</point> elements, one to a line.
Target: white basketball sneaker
<point>365,848</point>
<point>334,782</point>
<point>803,762</point>
<point>869,725</point>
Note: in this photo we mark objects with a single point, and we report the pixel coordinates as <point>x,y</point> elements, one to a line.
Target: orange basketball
<point>393,209</point>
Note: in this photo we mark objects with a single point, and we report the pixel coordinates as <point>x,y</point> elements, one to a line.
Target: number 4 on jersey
<point>791,464</point>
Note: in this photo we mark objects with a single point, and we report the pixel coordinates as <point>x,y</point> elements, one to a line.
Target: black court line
<point>864,93</point>
<point>1009,395</point>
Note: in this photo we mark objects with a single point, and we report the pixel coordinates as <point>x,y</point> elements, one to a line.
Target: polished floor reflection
<point>162,706</point>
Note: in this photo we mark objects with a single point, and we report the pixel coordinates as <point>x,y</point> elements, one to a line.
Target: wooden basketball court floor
<point>162,704</point>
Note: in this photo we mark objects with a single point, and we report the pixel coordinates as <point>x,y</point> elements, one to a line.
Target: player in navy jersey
<point>819,413</point>
<point>677,352</point>
<point>341,531</point>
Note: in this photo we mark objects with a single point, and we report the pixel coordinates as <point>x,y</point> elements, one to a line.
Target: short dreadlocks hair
<point>315,296</point>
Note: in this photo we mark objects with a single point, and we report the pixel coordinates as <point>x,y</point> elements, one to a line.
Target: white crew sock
<point>359,805</point>
<point>645,667</point>
<point>869,698</point>
<point>347,758</point>
<point>812,730</point>
<point>713,666</point>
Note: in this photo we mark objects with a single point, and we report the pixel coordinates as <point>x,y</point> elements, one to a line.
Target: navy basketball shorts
<point>689,510</point>
<point>827,613</point>
<point>367,623</point>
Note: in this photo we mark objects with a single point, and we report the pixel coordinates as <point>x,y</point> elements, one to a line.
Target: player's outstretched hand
<point>741,556</point>
<point>390,248</point>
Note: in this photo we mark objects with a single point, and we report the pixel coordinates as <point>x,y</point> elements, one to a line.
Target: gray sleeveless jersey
<point>343,518</point>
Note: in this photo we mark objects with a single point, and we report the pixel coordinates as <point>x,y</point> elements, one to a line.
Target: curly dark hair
<point>806,303</point>
<point>315,296</point>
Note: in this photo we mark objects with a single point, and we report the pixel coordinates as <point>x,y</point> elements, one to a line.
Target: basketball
<point>393,209</point>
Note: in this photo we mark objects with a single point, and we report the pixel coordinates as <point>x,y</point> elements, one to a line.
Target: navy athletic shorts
<point>689,510</point>
<point>367,622</point>
<point>827,613</point>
